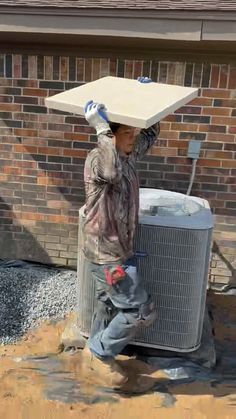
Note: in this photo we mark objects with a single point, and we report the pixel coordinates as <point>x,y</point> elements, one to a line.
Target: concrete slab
<point>127,101</point>
<point>205,355</point>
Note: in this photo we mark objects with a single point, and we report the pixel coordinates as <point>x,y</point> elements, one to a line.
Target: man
<point>111,217</point>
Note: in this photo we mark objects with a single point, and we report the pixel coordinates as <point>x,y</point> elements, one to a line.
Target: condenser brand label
<point>141,254</point>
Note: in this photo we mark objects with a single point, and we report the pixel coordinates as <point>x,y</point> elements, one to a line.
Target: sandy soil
<point>38,382</point>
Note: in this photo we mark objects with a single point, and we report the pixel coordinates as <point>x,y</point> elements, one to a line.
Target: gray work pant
<point>121,309</point>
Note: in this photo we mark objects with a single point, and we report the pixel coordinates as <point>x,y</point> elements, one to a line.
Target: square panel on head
<point>126,101</point>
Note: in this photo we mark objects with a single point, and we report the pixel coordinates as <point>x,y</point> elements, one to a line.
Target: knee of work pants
<point>144,315</point>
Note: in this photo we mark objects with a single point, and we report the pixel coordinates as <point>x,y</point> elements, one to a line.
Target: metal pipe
<point>192,176</point>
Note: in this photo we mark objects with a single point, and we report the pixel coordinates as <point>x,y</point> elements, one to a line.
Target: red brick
<point>162,143</point>
<point>225,211</point>
<point>228,163</point>
<point>170,135</point>
<point>32,64</point>
<point>201,101</point>
<point>12,170</point>
<point>228,180</point>
<point>59,127</point>
<point>232,78</point>
<point>48,65</point>
<point>5,82</point>
<point>220,137</point>
<point>59,204</point>
<point>215,72</point>
<point>224,72</point>
<point>6,99</point>
<point>64,68</point>
<point>171,73</point>
<point>47,181</point>
<point>172,118</point>
<point>192,110</point>
<point>217,203</point>
<point>226,196</point>
<point>164,126</point>
<point>178,144</point>
<point>42,181</point>
<point>129,69</point>
<point>56,119</point>
<point>26,116</point>
<point>20,148</point>
<point>104,67</point>
<point>224,155</point>
<point>223,120</point>
<point>179,73</point>
<point>3,177</point>
<point>230,146</point>
<point>88,69</point>
<point>179,126</point>
<point>80,69</point>
<point>113,67</point>
<point>205,178</point>
<point>232,130</point>
<point>74,153</point>
<point>95,69</point>
<point>216,111</point>
<point>57,135</point>
<point>137,69</point>
<point>5,131</point>
<point>35,92</point>
<point>158,151</point>
<point>203,127</point>
<point>181,152</point>
<point>209,163</point>
<point>76,137</point>
<point>25,83</point>
<point>10,107</point>
<point>84,129</point>
<point>212,145</point>
<point>50,150</point>
<point>56,218</point>
<point>216,93</point>
<point>217,128</point>
<point>29,164</point>
<point>178,160</point>
<point>16,66</point>
<point>25,132</point>
<point>31,216</point>
<point>227,103</point>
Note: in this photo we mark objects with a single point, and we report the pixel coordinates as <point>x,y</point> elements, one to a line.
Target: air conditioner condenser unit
<point>172,246</point>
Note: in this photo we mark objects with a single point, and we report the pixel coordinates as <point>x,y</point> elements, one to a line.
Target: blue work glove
<point>144,79</point>
<point>96,117</point>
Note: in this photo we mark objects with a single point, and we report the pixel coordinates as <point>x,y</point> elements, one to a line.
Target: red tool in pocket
<point>114,274</point>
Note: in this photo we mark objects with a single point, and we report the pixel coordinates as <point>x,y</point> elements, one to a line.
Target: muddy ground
<point>39,382</point>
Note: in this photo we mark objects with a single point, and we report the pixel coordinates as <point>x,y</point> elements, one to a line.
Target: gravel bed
<point>29,295</point>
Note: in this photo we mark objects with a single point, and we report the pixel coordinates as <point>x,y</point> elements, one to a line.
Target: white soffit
<point>126,101</point>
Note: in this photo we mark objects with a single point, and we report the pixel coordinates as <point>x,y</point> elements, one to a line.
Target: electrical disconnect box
<point>194,147</point>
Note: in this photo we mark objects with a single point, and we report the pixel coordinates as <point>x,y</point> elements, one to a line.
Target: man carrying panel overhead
<point>111,217</point>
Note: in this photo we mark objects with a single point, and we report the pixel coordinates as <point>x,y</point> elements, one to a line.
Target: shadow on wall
<point>62,176</point>
<point>16,241</point>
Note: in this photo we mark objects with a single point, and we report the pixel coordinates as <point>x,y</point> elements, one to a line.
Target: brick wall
<point>42,152</point>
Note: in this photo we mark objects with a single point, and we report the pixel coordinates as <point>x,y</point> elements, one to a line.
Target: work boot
<point>106,372</point>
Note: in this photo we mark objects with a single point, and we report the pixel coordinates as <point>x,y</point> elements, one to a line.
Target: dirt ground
<point>38,382</point>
